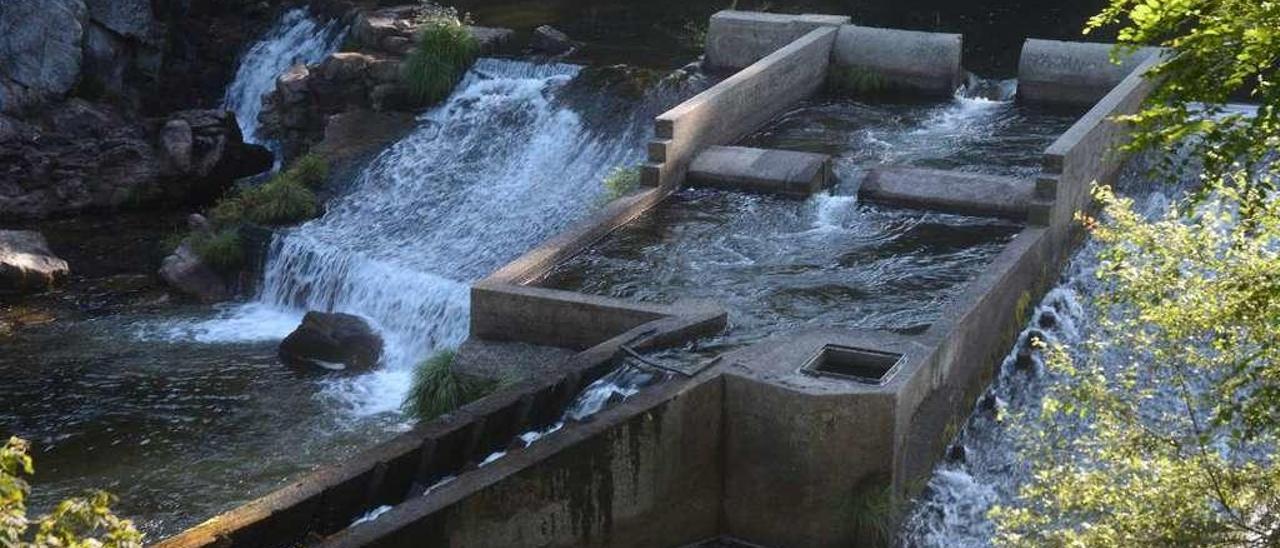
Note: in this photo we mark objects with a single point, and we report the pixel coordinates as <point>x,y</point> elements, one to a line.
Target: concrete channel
<point>771,443</point>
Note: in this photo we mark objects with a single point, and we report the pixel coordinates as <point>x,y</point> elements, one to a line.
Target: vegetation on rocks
<point>79,522</point>
<point>286,198</point>
<point>437,389</point>
<point>444,50</point>
<point>1162,429</point>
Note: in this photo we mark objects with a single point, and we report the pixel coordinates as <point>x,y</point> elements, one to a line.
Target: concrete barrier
<point>736,39</point>
<point>1086,153</point>
<point>1074,73</point>
<point>761,170</point>
<point>950,191</point>
<point>920,62</point>
<point>737,106</point>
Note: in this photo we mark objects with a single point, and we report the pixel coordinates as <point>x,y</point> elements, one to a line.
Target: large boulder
<point>184,271</point>
<point>131,18</point>
<point>40,50</point>
<point>26,263</point>
<point>549,39</point>
<point>329,341</point>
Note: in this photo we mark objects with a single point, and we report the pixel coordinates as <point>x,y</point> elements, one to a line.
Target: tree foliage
<point>1219,50</point>
<point>79,522</point>
<point>1162,428</point>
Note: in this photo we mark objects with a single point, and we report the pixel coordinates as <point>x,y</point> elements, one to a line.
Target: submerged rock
<point>551,40</point>
<point>26,263</point>
<point>328,341</point>
<point>185,272</point>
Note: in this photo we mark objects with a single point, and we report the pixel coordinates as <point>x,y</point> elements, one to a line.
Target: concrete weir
<point>774,443</point>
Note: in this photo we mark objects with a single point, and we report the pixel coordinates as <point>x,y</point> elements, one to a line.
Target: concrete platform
<point>949,191</point>
<point>761,170</point>
<point>497,360</point>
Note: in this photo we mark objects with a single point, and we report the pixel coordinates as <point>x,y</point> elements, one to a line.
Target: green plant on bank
<point>437,389</point>
<point>873,513</point>
<point>78,522</point>
<point>856,81</point>
<point>280,201</point>
<point>1173,442</point>
<point>311,169</point>
<point>1190,314</point>
<point>621,181</point>
<point>444,50</point>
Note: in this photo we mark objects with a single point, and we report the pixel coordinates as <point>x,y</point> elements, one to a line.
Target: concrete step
<point>761,170</point>
<point>949,191</point>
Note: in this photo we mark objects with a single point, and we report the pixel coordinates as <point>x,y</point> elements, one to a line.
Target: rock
<point>176,141</point>
<point>957,453</point>
<point>199,223</point>
<point>26,263</point>
<point>184,271</point>
<point>40,49</point>
<point>491,38</point>
<point>332,342</point>
<point>1025,360</point>
<point>292,85</point>
<point>131,18</point>
<point>548,39</point>
<point>344,66</point>
<point>1048,320</point>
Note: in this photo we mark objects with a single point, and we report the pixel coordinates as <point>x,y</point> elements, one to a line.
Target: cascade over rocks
<point>26,263</point>
<point>328,341</point>
<point>80,155</point>
<point>367,76</point>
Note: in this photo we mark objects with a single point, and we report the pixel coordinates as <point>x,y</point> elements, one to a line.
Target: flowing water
<point>952,511</point>
<point>296,38</point>
<point>830,261</point>
<point>185,411</point>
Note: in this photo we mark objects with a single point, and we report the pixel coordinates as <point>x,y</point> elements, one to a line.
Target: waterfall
<point>977,88</point>
<point>509,159</point>
<point>296,38</point>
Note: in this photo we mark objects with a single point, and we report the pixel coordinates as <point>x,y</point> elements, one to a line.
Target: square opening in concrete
<point>854,364</point>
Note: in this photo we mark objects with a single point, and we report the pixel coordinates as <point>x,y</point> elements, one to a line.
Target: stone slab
<point>761,170</point>
<point>949,191</point>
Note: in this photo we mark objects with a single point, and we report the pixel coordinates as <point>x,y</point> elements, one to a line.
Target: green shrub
<point>229,211</point>
<point>437,390</point>
<point>311,170</point>
<point>856,81</point>
<point>78,521</point>
<point>621,181</point>
<point>444,51</point>
<point>221,250</point>
<point>282,200</point>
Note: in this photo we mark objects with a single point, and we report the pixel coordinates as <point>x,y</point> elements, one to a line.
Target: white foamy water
<point>503,164</point>
<point>296,38</point>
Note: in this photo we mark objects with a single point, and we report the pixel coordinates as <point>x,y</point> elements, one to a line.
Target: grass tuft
<point>437,390</point>
<point>311,169</point>
<point>221,250</point>
<point>282,200</point>
<point>621,181</point>
<point>444,51</point>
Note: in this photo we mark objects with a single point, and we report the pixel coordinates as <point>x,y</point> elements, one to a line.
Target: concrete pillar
<point>736,39</point>
<point>921,62</point>
<point>1072,73</point>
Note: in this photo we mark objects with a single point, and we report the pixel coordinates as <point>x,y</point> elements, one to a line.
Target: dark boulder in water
<point>331,342</point>
<point>26,263</point>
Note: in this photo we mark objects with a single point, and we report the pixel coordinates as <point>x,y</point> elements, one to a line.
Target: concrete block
<point>736,39</point>
<point>743,102</point>
<point>761,170</point>
<point>921,62</point>
<point>949,191</point>
<point>1073,73</point>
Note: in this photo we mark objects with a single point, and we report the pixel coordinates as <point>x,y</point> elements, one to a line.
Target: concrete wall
<point>1075,73</point>
<point>950,191</point>
<point>920,62</point>
<point>1086,153</point>
<point>784,172</point>
<point>645,473</point>
<point>736,39</point>
<point>737,106</point>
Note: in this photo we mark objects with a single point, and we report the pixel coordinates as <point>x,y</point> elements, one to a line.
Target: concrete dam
<point>735,351</point>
